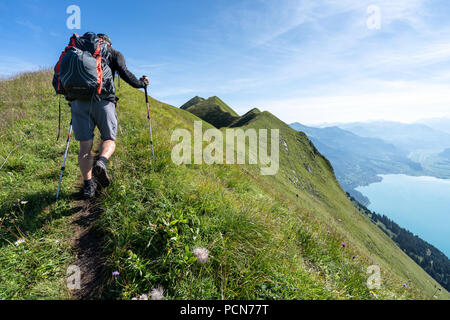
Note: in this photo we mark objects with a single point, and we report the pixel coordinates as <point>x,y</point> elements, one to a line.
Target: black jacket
<point>116,62</point>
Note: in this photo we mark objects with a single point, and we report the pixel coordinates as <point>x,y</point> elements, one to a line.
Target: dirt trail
<point>88,244</point>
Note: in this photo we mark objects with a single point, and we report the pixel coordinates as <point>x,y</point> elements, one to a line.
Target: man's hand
<point>145,80</point>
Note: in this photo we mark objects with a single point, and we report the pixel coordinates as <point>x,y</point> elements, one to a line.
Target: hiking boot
<point>89,189</point>
<point>100,172</point>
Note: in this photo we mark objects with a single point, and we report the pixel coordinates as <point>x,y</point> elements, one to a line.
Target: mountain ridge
<point>213,110</point>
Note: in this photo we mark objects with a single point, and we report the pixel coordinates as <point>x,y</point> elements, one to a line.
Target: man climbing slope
<point>96,109</point>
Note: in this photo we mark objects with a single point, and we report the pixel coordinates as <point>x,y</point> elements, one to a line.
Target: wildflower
<point>157,293</point>
<point>405,285</point>
<point>328,231</point>
<point>373,294</point>
<point>344,244</point>
<point>134,169</point>
<point>201,254</point>
<point>115,273</point>
<point>143,297</point>
<point>18,242</point>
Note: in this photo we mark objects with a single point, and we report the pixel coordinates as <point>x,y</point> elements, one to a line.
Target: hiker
<point>99,110</point>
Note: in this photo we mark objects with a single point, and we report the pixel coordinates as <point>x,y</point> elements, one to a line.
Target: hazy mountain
<point>358,160</point>
<point>445,154</point>
<point>441,124</point>
<point>407,137</point>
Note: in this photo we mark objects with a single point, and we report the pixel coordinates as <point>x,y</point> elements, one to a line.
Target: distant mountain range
<point>423,143</point>
<point>358,160</point>
<point>441,124</point>
<point>409,137</point>
<point>445,154</point>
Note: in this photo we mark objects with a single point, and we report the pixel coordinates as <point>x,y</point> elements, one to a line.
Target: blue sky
<point>306,61</point>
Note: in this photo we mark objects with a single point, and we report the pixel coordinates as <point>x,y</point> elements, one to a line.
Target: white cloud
<point>365,70</point>
<point>264,21</point>
<point>416,54</point>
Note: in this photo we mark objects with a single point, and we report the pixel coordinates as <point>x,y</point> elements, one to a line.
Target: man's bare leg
<point>85,160</point>
<point>107,148</point>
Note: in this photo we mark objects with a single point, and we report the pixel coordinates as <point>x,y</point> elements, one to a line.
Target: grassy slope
<point>246,118</point>
<point>263,240</point>
<point>28,181</point>
<point>192,102</point>
<point>320,193</point>
<point>157,213</point>
<point>214,111</point>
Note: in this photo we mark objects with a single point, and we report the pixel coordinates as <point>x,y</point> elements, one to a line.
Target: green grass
<point>306,173</point>
<point>34,269</point>
<point>266,235</point>
<point>192,102</point>
<point>214,111</point>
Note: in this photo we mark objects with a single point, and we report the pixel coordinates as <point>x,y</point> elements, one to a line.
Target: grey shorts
<point>86,115</point>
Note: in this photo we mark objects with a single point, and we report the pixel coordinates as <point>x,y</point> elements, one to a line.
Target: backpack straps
<point>58,66</point>
<point>72,44</point>
<point>98,57</point>
<point>59,119</point>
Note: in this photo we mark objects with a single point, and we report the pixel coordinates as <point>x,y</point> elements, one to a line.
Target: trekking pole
<point>149,122</point>
<point>63,167</point>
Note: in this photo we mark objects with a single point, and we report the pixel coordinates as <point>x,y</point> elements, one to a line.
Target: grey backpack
<point>82,71</point>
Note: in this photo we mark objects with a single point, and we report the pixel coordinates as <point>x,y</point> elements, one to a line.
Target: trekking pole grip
<point>145,89</point>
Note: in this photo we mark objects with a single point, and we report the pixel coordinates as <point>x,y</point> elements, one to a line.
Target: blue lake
<point>419,204</point>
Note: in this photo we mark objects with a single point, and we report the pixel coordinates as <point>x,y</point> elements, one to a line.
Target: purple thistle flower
<point>157,293</point>
<point>115,273</point>
<point>201,254</point>
<point>344,244</point>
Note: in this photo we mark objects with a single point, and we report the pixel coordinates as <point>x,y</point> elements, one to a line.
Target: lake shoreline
<point>417,203</point>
